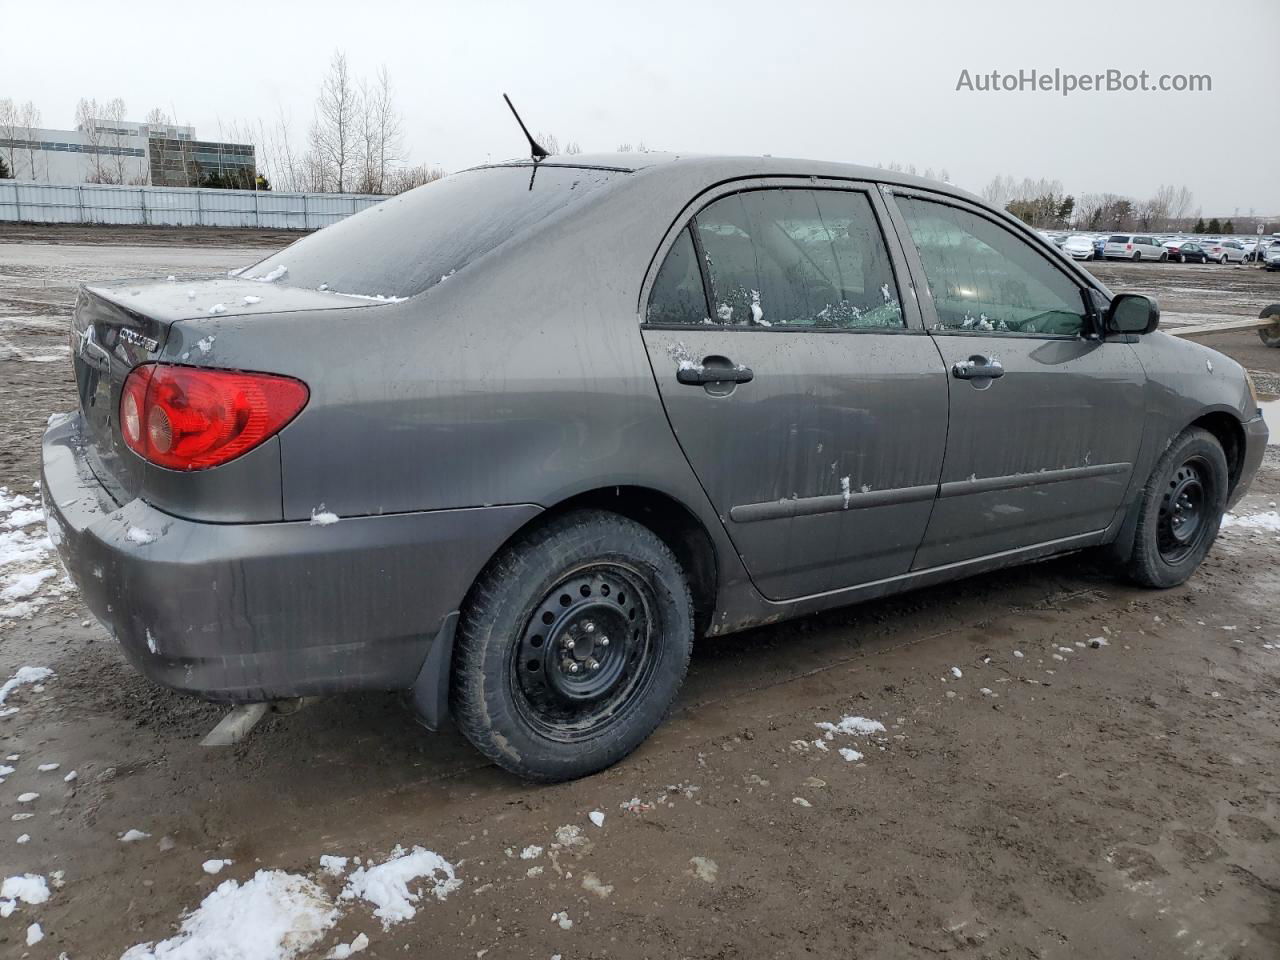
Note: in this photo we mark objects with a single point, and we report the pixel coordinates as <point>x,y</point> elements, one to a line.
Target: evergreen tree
<point>1214,226</point>
<point>1199,227</point>
<point>4,170</point>
<point>1228,227</point>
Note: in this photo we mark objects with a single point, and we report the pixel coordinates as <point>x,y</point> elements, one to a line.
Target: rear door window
<point>791,258</point>
<point>983,278</point>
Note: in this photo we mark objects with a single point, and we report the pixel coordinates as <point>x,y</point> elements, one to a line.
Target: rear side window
<point>984,278</point>
<point>1119,238</point>
<point>410,242</point>
<point>797,258</point>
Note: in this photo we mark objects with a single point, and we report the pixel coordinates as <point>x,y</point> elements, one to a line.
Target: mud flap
<point>429,695</point>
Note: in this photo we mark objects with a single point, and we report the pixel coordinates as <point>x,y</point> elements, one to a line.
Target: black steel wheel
<point>572,646</point>
<point>586,652</point>
<point>1180,510</point>
<point>1183,524</point>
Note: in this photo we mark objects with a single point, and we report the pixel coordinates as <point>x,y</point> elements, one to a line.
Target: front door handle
<point>978,368</point>
<point>701,375</point>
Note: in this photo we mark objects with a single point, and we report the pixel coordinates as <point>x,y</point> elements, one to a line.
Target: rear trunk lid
<point>118,325</point>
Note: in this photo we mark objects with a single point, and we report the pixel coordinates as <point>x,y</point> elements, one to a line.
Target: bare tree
<point>29,122</point>
<point>9,133</point>
<point>406,178</point>
<point>549,141</point>
<point>572,148</point>
<point>156,117</point>
<point>335,131</point>
<point>87,111</point>
<point>113,112</point>
<point>381,132</point>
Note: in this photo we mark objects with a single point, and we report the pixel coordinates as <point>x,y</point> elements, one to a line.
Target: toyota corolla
<point>512,442</point>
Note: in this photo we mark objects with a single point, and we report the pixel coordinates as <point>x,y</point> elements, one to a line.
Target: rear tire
<point>1137,256</point>
<point>572,647</point>
<point>1181,510</point>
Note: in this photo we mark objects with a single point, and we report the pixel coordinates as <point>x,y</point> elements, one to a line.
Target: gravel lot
<point>1062,796</point>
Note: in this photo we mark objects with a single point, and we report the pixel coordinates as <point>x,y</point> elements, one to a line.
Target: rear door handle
<point>703,375</point>
<point>977,368</point>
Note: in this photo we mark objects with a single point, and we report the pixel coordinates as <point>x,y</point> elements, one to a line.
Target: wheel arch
<point>1225,426</point>
<point>1229,432</point>
<point>670,520</point>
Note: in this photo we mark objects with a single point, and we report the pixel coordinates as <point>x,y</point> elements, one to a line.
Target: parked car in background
<point>1186,251</point>
<point>1271,258</point>
<point>1099,247</point>
<point>1078,247</point>
<point>1129,246</point>
<point>480,445</point>
<point>1225,251</point>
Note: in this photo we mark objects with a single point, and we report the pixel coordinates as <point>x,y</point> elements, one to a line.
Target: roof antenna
<point>539,153</point>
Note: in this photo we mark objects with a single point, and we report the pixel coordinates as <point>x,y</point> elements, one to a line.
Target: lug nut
<point>593,664</point>
<point>573,666</point>
<point>568,643</point>
<point>603,641</point>
<point>589,627</point>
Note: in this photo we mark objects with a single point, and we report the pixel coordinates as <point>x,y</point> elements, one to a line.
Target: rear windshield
<point>410,242</point>
<point>1119,238</point>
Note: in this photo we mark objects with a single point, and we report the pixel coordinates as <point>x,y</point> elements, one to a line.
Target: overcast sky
<point>856,81</point>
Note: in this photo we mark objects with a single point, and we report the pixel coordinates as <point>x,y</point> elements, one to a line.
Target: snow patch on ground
<point>140,536</point>
<point>386,885</point>
<point>334,866</point>
<point>344,950</point>
<point>213,867</point>
<point>29,888</point>
<point>25,675</point>
<point>274,916</point>
<point>1254,521</point>
<point>853,727</point>
<point>133,836</point>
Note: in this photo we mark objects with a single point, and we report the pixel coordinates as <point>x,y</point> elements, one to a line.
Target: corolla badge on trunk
<point>137,339</point>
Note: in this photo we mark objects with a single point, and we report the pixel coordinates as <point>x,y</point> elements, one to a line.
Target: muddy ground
<point>1113,801</point>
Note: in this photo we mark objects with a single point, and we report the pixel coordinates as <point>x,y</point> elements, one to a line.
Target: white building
<point>124,152</point>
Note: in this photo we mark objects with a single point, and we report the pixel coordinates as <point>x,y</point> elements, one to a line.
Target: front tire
<point>572,647</point>
<point>1181,510</point>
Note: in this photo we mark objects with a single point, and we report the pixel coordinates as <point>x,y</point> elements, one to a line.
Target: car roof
<point>718,168</point>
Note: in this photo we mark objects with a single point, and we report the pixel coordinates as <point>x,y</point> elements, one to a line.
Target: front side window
<point>984,278</point>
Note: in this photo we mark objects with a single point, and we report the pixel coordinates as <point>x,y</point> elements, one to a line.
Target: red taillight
<point>1128,246</point>
<point>187,418</point>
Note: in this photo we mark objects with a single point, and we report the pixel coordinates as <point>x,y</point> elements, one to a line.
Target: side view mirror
<point>1132,313</point>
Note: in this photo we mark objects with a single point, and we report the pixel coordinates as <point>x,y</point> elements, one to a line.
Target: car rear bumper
<point>261,611</point>
<point>1255,445</point>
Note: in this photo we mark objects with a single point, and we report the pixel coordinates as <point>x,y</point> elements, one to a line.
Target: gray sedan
<point>513,441</point>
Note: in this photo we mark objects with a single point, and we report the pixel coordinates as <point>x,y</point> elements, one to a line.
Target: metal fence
<point>26,202</point>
